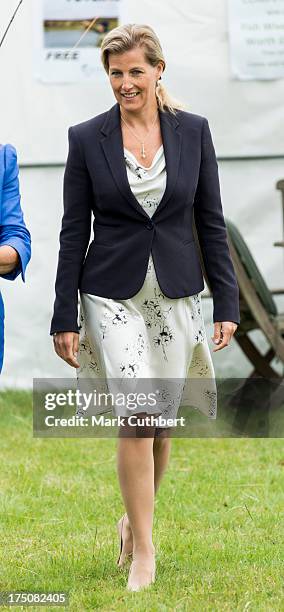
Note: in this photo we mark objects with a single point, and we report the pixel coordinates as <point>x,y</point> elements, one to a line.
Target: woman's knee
<point>161,445</point>
<point>137,428</point>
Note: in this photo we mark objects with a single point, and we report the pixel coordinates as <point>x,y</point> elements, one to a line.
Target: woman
<point>142,168</point>
<point>15,240</point>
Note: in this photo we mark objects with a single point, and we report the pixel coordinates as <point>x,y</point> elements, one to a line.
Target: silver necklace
<point>142,142</point>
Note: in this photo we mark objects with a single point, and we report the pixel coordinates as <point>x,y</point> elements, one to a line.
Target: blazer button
<point>150,225</point>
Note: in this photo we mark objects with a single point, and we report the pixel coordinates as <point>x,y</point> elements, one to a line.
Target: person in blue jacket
<point>15,239</point>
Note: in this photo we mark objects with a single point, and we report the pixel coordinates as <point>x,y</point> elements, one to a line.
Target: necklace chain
<point>142,142</point>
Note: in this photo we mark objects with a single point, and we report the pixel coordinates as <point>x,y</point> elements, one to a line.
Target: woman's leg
<point>135,464</point>
<point>141,464</point>
<point>161,453</point>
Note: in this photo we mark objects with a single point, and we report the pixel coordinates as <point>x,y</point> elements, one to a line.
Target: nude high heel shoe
<point>123,555</point>
<point>145,579</point>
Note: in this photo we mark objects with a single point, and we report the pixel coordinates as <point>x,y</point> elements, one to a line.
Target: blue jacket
<point>13,231</point>
<point>115,264</point>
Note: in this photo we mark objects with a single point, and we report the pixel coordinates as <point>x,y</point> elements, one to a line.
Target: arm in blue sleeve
<point>13,230</point>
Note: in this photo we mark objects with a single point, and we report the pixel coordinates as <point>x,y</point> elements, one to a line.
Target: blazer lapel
<point>112,144</point>
<point>172,148</point>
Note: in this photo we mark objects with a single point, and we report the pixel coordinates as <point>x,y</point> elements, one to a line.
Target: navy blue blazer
<point>96,183</point>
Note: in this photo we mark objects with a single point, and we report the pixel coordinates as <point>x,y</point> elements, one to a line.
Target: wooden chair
<point>257,307</point>
<point>280,186</point>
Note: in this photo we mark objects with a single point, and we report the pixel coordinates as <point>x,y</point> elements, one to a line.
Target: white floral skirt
<point>152,338</point>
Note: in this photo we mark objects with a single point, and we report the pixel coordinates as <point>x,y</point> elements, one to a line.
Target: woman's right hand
<point>9,259</point>
<point>66,345</point>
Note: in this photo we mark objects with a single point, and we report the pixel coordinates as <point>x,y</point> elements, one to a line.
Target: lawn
<point>218,527</point>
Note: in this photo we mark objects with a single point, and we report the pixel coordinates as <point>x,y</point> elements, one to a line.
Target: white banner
<point>256,32</point>
<point>68,35</point>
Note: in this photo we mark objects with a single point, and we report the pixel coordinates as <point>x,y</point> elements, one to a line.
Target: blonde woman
<point>141,168</point>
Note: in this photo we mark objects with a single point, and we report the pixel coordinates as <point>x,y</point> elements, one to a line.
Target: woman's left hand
<point>223,332</point>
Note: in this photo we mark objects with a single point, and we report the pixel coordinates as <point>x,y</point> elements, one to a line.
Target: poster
<point>256,34</point>
<point>68,35</point>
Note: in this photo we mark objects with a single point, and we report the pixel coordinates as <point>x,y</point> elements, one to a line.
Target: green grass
<point>218,527</point>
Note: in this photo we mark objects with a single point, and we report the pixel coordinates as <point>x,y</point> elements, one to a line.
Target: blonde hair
<point>127,37</point>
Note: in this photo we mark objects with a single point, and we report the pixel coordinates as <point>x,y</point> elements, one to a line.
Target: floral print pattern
<point>156,317</point>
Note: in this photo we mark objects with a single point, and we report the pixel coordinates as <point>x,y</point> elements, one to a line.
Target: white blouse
<point>147,184</point>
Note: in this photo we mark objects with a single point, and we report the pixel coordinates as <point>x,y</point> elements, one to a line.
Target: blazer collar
<point>112,144</point>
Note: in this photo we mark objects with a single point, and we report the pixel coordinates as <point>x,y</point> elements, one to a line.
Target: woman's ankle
<point>142,550</point>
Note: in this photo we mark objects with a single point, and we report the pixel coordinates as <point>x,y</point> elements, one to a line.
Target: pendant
<point>143,154</point>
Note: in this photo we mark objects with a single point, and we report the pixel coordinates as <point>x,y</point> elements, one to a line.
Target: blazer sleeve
<point>212,235</point>
<point>74,237</point>
<point>13,230</point>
